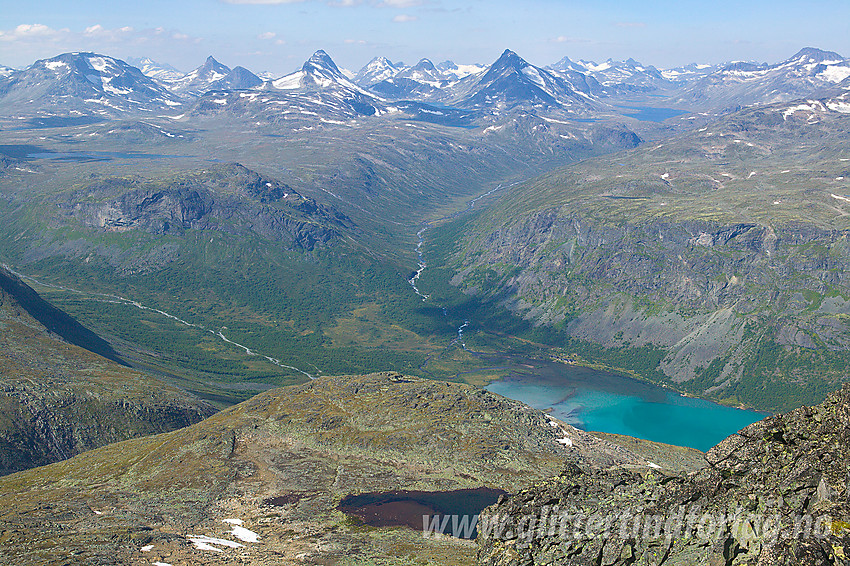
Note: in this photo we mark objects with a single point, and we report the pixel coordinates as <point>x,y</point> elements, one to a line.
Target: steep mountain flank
<point>59,399</point>
<point>278,465</point>
<point>719,258</point>
<point>775,493</point>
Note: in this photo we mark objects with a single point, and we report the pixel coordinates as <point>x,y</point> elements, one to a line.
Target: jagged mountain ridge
<point>509,82</point>
<point>618,76</point>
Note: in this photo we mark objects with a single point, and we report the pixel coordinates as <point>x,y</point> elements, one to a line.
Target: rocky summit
<point>774,493</point>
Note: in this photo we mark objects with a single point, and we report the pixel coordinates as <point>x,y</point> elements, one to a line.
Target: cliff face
<point>58,398</point>
<point>711,296</point>
<point>721,252</point>
<point>42,423</point>
<point>775,493</point>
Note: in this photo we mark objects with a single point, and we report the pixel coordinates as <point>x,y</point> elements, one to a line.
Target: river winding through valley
<point>118,300</point>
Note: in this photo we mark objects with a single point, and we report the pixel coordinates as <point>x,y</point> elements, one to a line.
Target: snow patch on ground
<point>98,63</point>
<point>835,73</point>
<point>206,543</point>
<point>566,440</point>
<point>839,106</point>
<point>811,106</point>
<point>245,535</point>
<point>289,82</point>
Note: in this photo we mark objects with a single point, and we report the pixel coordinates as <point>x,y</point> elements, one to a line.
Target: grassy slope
<point>343,307</point>
<point>60,399</point>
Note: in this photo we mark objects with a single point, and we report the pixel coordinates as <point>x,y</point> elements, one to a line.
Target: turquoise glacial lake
<point>604,402</point>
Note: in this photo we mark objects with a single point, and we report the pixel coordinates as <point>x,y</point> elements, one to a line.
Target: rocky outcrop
<point>227,198</point>
<point>778,492</point>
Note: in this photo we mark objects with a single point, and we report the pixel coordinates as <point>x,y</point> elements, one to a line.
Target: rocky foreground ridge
<point>279,464</point>
<point>778,492</point>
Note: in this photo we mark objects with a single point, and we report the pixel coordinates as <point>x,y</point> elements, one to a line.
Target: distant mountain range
<point>87,83</point>
<point>744,83</point>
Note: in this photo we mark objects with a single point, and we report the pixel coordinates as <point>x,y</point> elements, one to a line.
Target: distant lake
<point>650,114</point>
<point>94,155</point>
<point>605,402</point>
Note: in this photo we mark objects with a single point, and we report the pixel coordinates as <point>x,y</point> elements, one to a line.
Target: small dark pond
<point>451,512</point>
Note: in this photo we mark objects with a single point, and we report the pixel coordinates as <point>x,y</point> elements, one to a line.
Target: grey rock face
<point>775,493</point>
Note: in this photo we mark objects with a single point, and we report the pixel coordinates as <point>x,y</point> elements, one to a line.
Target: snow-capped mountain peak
<point>198,81</point>
<point>319,72</point>
<point>743,83</point>
<point>809,55</point>
<point>321,62</point>
<point>210,70</point>
<point>512,81</point>
<point>99,83</point>
<point>157,71</point>
<point>507,61</point>
<point>377,70</point>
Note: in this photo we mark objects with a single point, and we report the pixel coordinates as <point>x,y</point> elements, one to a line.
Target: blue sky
<point>277,36</point>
